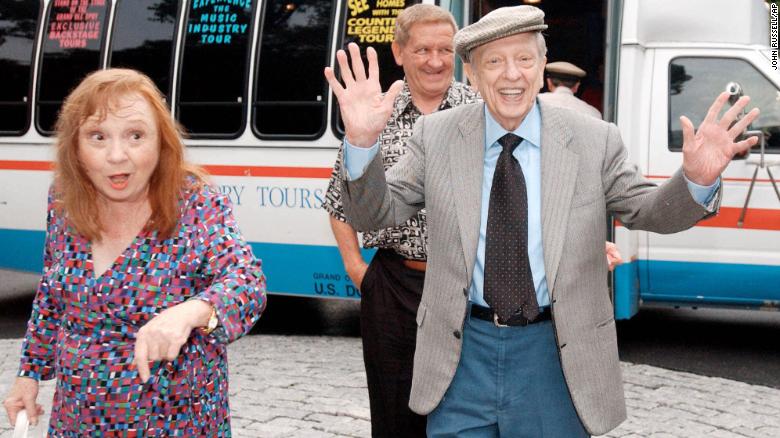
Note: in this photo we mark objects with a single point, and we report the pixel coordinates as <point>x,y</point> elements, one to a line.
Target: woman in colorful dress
<point>146,276</point>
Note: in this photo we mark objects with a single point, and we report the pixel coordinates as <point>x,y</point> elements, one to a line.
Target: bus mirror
<point>735,92</point>
<point>734,89</point>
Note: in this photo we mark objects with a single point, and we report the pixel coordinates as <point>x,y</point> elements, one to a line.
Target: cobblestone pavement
<point>312,387</point>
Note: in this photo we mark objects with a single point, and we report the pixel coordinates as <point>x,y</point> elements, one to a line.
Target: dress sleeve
<point>237,290</point>
<point>39,346</point>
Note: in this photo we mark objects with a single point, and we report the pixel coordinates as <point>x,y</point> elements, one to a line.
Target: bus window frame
<point>329,59</point>
<point>31,89</point>
<point>179,64</point>
<point>174,44</point>
<point>669,147</point>
<point>41,53</point>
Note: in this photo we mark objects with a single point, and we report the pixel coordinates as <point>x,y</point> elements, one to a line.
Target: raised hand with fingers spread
<point>708,150</point>
<point>364,109</point>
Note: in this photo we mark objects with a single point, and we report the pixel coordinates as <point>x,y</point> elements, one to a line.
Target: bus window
<point>142,39</point>
<point>693,82</point>
<point>72,42</point>
<point>18,20</point>
<point>290,88</point>
<point>373,24</point>
<point>213,76</point>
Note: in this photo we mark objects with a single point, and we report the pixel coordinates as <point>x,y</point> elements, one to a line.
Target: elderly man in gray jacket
<point>515,330</point>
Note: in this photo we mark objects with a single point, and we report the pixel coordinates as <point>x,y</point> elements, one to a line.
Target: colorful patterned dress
<point>82,329</point>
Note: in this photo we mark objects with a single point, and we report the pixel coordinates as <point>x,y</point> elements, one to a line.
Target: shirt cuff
<point>357,159</point>
<point>703,195</point>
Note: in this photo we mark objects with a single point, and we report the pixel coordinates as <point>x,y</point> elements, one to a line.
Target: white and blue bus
<point>244,77</point>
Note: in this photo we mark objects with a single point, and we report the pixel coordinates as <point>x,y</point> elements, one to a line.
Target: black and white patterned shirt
<point>408,240</point>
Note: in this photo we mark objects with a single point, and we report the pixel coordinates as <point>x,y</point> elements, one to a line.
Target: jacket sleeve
<point>375,200</point>
<point>39,346</point>
<point>639,203</point>
<point>237,289</point>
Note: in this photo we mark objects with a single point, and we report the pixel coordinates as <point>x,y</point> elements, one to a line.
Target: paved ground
<point>311,387</point>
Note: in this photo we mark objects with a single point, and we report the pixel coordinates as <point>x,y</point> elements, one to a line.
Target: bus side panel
<point>23,212</point>
<point>306,270</point>
<point>283,219</point>
<point>631,116</point>
<point>626,279</point>
<point>626,290</point>
<point>22,250</point>
<point>719,261</point>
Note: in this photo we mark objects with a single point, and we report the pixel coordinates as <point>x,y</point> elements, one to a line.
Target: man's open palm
<point>364,109</point>
<point>708,151</point>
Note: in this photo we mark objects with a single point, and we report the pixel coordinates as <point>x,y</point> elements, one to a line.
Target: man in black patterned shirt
<point>391,286</point>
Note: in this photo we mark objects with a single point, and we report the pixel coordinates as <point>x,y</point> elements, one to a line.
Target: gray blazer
<point>585,175</point>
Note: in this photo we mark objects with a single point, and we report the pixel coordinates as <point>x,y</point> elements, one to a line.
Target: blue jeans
<point>508,384</point>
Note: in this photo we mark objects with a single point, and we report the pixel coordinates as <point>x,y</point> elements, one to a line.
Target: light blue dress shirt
<point>528,154</point>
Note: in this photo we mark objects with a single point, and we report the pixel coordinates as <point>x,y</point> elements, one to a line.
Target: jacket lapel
<point>559,177</point>
<point>466,162</point>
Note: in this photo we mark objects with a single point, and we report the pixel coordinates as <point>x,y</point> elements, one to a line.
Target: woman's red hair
<point>97,95</point>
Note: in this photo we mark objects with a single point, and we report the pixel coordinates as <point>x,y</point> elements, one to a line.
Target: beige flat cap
<point>563,68</point>
<point>499,23</point>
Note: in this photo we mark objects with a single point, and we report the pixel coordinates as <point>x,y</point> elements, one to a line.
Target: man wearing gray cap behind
<point>563,81</point>
<point>515,330</point>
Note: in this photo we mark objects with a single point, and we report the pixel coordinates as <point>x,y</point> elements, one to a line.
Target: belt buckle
<point>495,321</point>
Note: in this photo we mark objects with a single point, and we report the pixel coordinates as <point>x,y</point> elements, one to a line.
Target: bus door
<point>732,258</point>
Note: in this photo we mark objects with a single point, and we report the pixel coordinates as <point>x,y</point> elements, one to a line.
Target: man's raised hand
<point>708,150</point>
<point>364,109</point>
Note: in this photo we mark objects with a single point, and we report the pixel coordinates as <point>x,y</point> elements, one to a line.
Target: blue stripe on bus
<point>626,288</point>
<point>695,283</point>
<point>21,250</point>
<point>306,270</point>
<point>317,271</point>
<point>711,283</point>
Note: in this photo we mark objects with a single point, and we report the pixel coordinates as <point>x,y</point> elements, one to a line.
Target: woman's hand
<point>163,336</point>
<point>21,397</point>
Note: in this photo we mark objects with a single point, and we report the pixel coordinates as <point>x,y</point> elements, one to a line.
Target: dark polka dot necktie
<point>509,285</point>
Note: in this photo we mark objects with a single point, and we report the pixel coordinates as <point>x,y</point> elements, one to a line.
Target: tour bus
<point>244,78</point>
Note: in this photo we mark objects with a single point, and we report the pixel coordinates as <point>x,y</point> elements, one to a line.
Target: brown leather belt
<point>417,265</point>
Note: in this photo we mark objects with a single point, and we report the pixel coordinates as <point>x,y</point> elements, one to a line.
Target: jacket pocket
<point>606,322</point>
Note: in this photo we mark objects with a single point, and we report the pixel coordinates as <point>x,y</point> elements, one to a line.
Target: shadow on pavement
<point>309,316</point>
<point>734,344</point>
<point>14,313</point>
